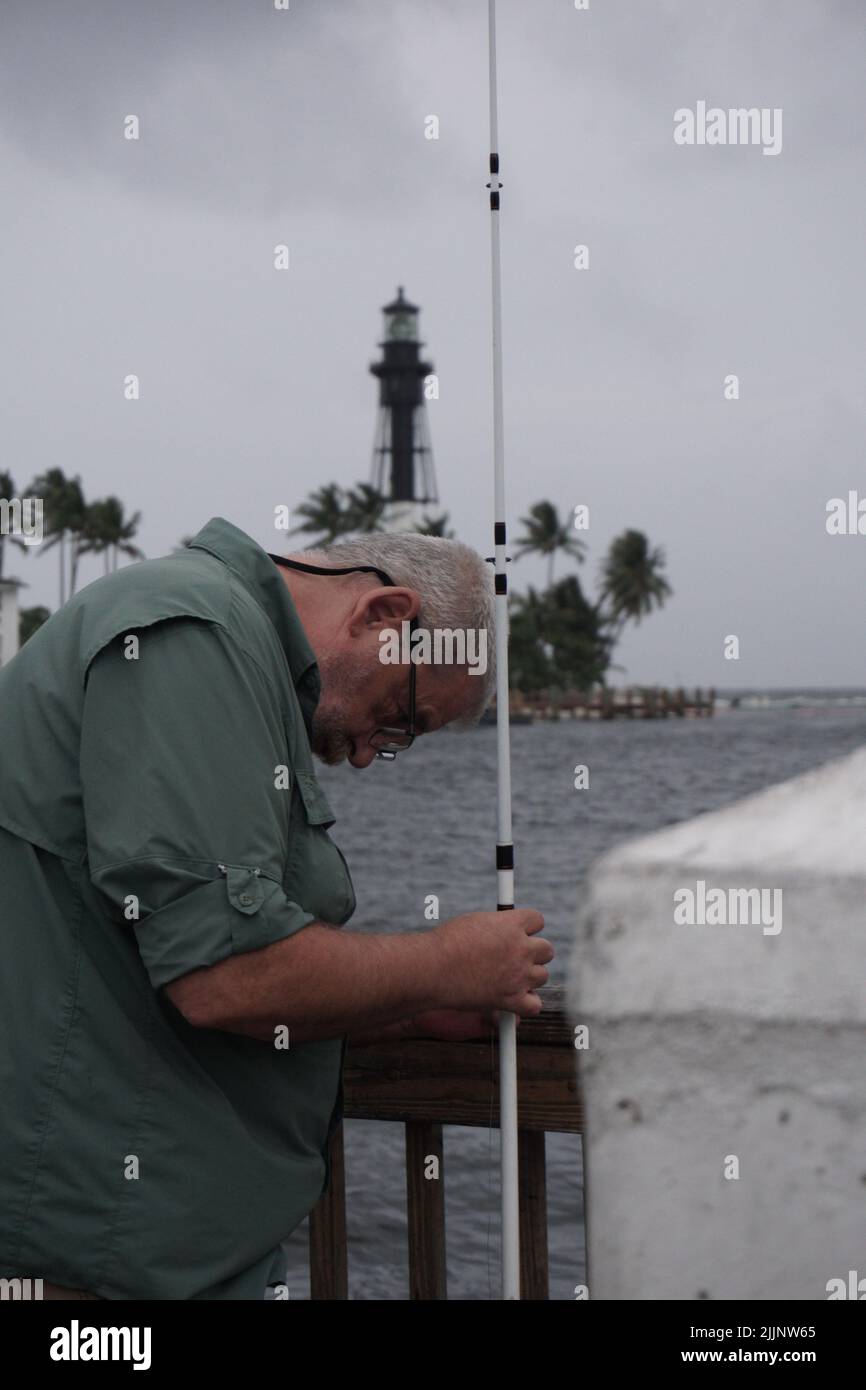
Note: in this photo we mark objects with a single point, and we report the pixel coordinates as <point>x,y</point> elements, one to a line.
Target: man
<point>176,995</point>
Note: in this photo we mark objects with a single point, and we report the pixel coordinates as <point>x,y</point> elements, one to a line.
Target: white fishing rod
<point>504,845</point>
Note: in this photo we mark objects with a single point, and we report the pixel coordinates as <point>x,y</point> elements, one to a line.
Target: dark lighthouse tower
<point>402,457</point>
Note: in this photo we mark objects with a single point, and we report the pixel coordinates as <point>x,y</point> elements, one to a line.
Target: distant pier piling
<point>633,702</point>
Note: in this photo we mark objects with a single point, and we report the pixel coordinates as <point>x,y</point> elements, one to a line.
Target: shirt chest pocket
<point>316,877</point>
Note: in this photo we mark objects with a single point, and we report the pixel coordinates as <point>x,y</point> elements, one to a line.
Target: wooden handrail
<point>426,1083</point>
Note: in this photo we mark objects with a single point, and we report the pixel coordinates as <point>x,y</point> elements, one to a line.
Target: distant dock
<point>634,702</point>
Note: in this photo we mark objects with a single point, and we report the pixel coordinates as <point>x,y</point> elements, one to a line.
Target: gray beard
<point>342,679</point>
<point>329,744</point>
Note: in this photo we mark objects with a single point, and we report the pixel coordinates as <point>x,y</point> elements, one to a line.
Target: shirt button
<point>246,899</point>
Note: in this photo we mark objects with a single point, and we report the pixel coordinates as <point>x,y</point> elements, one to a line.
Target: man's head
<point>355,623</point>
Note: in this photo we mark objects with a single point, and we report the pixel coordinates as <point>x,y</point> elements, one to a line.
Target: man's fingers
<point>542,951</point>
<point>527,1005</point>
<point>530,920</point>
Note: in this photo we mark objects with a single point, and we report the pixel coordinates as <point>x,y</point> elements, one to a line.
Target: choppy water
<point>426,824</point>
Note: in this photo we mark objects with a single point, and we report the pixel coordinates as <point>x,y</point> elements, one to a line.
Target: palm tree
<point>436,526</point>
<point>96,536</point>
<point>324,515</point>
<point>529,654</point>
<point>8,492</point>
<point>76,525</point>
<point>575,629</point>
<point>632,583</point>
<point>124,528</point>
<point>365,507</point>
<point>545,535</point>
<point>106,531</point>
<point>64,512</point>
<point>557,639</point>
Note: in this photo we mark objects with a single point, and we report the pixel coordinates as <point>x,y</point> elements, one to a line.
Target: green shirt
<point>159,812</point>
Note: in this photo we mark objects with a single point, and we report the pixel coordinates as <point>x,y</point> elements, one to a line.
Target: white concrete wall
<point>721,1040</point>
<point>8,621</point>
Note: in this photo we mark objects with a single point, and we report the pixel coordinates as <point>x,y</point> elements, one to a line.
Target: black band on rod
<point>499,533</point>
<point>505,856</point>
<point>505,907</point>
<point>500,584</point>
<point>494,163</point>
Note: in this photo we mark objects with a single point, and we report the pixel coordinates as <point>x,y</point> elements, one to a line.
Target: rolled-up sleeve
<point>187,796</point>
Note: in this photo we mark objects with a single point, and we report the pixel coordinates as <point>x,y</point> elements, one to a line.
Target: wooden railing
<point>424,1084</point>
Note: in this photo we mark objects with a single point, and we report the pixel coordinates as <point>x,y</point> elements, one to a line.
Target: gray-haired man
<point>177,996</point>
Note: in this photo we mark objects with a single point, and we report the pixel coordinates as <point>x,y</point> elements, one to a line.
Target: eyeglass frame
<point>388,750</point>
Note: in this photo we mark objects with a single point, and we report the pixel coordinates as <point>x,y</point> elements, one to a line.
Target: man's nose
<point>361,755</point>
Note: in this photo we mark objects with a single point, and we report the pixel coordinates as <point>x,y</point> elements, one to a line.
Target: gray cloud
<point>307,127</point>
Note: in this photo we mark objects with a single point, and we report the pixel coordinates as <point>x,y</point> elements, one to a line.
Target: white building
<point>8,618</point>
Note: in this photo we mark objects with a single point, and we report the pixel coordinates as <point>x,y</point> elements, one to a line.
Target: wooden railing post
<point>329,1269</point>
<point>533,1214</point>
<point>426,1211</point>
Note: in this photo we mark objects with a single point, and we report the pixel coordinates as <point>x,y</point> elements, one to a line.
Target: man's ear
<point>387,606</point>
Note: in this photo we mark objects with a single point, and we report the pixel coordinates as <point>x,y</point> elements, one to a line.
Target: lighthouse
<point>402,456</point>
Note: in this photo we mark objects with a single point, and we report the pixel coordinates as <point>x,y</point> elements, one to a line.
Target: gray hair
<point>454,583</point>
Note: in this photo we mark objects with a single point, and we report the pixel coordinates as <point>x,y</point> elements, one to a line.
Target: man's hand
<point>495,960</point>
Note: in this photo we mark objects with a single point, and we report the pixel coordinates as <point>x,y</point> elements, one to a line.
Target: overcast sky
<point>307,127</point>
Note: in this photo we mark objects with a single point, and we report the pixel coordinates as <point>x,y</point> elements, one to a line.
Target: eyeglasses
<point>387,741</point>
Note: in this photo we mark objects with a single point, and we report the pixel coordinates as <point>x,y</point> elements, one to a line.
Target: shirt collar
<point>261,578</point>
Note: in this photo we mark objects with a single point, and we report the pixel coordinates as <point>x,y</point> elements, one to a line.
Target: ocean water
<point>427,824</point>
